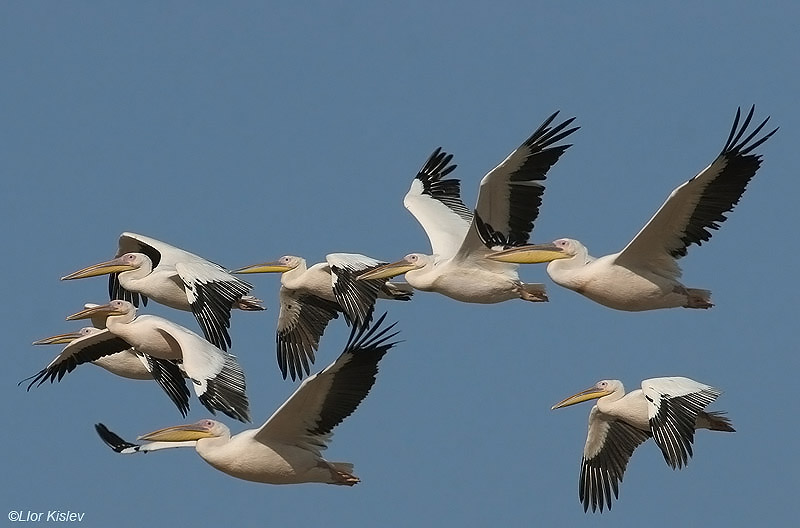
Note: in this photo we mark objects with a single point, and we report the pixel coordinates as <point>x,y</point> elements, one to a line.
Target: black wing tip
<point>544,136</point>
<point>735,145</point>
<point>436,166</point>
<point>111,439</point>
<point>371,337</point>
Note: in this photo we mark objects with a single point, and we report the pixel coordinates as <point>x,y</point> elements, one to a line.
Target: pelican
<point>287,448</point>
<point>668,409</point>
<point>311,296</point>
<point>148,268</point>
<point>508,203</point>
<point>122,360</point>
<point>217,378</point>
<point>644,275</point>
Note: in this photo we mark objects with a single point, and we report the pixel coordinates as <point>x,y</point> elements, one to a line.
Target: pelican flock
<point>474,258</point>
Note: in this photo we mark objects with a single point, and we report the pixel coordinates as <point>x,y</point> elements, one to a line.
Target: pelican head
<point>126,262</point>
<point>282,265</point>
<point>185,433</point>
<point>536,253</point>
<point>598,390</point>
<point>65,339</point>
<point>116,307</point>
<point>410,262</point>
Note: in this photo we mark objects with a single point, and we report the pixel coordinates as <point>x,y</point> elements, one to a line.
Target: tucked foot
<point>249,303</point>
<point>698,299</point>
<point>532,292</point>
<point>344,479</point>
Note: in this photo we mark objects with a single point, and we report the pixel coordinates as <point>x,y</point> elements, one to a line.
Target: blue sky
<point>246,131</point>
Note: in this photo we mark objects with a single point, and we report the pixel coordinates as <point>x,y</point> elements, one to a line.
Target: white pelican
<point>311,296</point>
<point>217,378</point>
<point>508,203</point>
<point>644,275</point>
<point>668,409</point>
<point>287,448</point>
<point>149,268</point>
<point>120,359</point>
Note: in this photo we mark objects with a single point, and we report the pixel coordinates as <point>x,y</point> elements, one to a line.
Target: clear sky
<point>250,130</point>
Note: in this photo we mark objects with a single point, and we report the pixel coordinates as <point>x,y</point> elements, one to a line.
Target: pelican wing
<point>511,193</point>
<point>673,405</point>
<point>699,205</point>
<point>356,297</point>
<point>323,400</point>
<point>85,349</point>
<point>609,446</point>
<point>217,377</point>
<point>169,377</point>
<point>436,204</point>
<point>302,321</point>
<point>212,292</point>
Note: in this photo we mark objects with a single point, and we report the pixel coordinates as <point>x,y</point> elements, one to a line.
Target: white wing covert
<point>436,204</point>
<point>673,405</point>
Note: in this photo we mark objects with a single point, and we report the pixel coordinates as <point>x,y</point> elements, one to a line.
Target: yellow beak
<point>60,339</point>
<point>177,433</point>
<point>591,393</point>
<point>266,267</point>
<point>533,254</point>
<point>86,313</point>
<point>388,271</point>
<point>104,268</point>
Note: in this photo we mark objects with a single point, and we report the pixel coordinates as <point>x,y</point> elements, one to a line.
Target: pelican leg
<point>532,292</point>
<point>695,298</point>
<point>340,476</point>
<point>248,303</point>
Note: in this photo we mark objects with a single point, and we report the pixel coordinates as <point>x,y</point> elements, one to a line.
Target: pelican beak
<point>266,267</point>
<point>534,254</point>
<point>104,268</point>
<point>388,271</point>
<point>591,393</point>
<point>86,313</point>
<point>178,433</point>
<point>60,339</point>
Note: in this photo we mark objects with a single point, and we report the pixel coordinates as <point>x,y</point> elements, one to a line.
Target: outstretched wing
<point>323,400</point>
<point>94,345</point>
<point>700,204</point>
<point>609,446</point>
<point>436,204</point>
<point>511,193</point>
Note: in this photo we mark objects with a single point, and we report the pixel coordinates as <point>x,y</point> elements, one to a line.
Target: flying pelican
<point>644,275</point>
<point>311,296</point>
<point>122,360</point>
<point>508,203</point>
<point>147,267</point>
<point>287,448</point>
<point>668,409</point>
<point>217,378</point>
